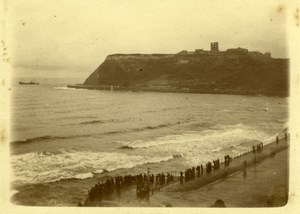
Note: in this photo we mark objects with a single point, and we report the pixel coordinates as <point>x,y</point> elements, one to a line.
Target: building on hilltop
<point>214,46</point>
<point>231,53</point>
<point>267,54</point>
<point>183,52</point>
<point>237,51</point>
<point>201,52</point>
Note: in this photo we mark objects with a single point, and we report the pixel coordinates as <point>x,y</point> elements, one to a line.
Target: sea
<point>59,134</point>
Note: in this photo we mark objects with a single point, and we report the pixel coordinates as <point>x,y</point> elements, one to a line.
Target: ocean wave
<point>101,121</point>
<point>126,147</point>
<point>163,125</point>
<point>41,167</point>
<point>83,175</point>
<point>50,138</point>
<point>213,139</point>
<point>41,138</point>
<point>92,122</point>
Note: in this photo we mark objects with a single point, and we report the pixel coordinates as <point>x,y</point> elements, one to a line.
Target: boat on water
<point>28,83</point>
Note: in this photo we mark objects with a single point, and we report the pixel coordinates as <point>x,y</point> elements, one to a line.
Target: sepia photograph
<point>163,103</point>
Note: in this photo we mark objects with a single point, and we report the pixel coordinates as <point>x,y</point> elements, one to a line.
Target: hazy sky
<point>70,38</point>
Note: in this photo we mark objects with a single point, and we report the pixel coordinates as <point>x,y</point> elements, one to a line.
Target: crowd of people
<point>227,160</point>
<point>147,183</point>
<point>112,184</point>
<point>259,147</point>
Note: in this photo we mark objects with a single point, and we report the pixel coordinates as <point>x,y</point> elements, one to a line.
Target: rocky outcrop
<point>222,72</point>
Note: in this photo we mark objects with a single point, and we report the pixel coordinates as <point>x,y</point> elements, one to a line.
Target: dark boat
<point>28,83</point>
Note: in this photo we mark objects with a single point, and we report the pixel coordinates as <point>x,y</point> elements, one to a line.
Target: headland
<point>232,71</point>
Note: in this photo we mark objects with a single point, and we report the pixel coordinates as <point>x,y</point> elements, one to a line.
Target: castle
<point>231,53</point>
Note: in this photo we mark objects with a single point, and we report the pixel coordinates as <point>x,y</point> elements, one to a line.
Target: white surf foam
<point>40,167</point>
<point>221,136</point>
<point>199,147</point>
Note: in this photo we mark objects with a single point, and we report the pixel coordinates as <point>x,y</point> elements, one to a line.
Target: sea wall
<point>179,183</point>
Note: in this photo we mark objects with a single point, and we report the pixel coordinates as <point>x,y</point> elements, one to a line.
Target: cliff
<point>232,72</point>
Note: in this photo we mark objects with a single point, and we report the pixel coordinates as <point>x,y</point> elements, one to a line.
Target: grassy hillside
<point>198,74</point>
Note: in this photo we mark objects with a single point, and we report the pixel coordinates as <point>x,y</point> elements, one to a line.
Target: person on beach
<point>209,166</point>
<point>286,136</point>
<point>163,179</point>
<point>258,148</point>
<point>253,149</point>
<point>277,140</point>
<point>181,177</point>
<point>193,172</point>
<point>185,176</point>
<point>227,160</point>
<point>198,170</point>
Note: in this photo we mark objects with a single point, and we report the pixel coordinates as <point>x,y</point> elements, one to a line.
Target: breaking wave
<point>46,137</point>
<point>42,167</point>
<point>213,139</point>
<point>49,137</point>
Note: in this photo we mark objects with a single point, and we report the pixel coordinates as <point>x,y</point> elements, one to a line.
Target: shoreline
<point>166,193</point>
<point>181,90</point>
<point>78,189</point>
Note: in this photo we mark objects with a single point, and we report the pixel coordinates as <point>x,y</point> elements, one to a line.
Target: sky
<point>71,38</point>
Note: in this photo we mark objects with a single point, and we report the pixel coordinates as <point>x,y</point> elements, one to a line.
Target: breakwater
<point>148,184</point>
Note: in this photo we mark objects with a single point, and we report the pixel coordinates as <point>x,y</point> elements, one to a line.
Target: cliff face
<point>220,72</point>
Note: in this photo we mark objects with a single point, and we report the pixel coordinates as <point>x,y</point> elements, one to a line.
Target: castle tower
<point>214,46</point>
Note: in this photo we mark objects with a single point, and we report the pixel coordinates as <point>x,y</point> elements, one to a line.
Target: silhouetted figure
<point>193,172</point>
<point>198,170</point>
<point>181,177</point>
<point>258,148</point>
<point>208,167</point>
<point>277,140</point>
<point>227,160</point>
